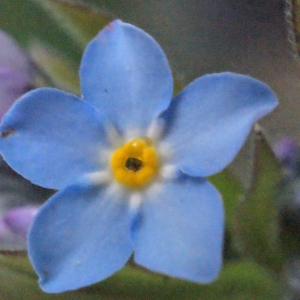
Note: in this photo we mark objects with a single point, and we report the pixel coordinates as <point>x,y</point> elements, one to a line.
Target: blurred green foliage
<point>238,280</point>
<point>257,223</point>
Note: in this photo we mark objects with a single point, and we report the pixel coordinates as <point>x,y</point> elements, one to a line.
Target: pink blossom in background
<point>16,73</point>
<point>20,219</point>
<point>16,76</point>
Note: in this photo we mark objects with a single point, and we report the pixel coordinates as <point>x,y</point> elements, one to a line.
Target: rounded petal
<point>80,236</point>
<point>52,138</point>
<point>211,118</point>
<point>180,231</point>
<point>125,73</point>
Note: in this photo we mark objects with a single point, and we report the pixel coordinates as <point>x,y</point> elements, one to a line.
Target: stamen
<point>133,164</point>
<point>155,130</point>
<point>136,163</point>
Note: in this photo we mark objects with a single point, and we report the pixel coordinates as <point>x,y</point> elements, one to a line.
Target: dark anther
<point>133,164</point>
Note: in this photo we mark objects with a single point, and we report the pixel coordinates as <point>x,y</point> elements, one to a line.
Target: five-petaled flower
<point>129,163</point>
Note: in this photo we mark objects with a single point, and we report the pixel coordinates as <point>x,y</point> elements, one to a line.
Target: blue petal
<point>210,120</point>
<point>125,73</point>
<point>80,236</point>
<point>52,138</point>
<point>180,231</point>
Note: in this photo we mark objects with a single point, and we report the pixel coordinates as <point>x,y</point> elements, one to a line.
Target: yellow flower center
<point>135,164</point>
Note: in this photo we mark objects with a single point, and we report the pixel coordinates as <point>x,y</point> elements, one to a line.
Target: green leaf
<point>257,225</point>
<point>237,281</point>
<point>81,21</point>
<point>59,69</point>
<point>231,190</point>
<point>26,20</point>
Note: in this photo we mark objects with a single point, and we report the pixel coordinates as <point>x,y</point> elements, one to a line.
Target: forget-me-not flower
<point>129,163</point>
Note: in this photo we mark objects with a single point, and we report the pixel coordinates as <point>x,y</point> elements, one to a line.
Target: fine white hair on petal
<point>105,155</point>
<point>165,151</point>
<point>100,177</point>
<point>153,190</point>
<point>168,172</point>
<point>114,138</point>
<point>132,134</point>
<point>115,141</point>
<point>116,189</point>
<point>155,130</point>
<point>135,200</point>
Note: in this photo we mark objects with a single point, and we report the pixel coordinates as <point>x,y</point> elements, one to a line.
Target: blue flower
<point>129,163</point>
